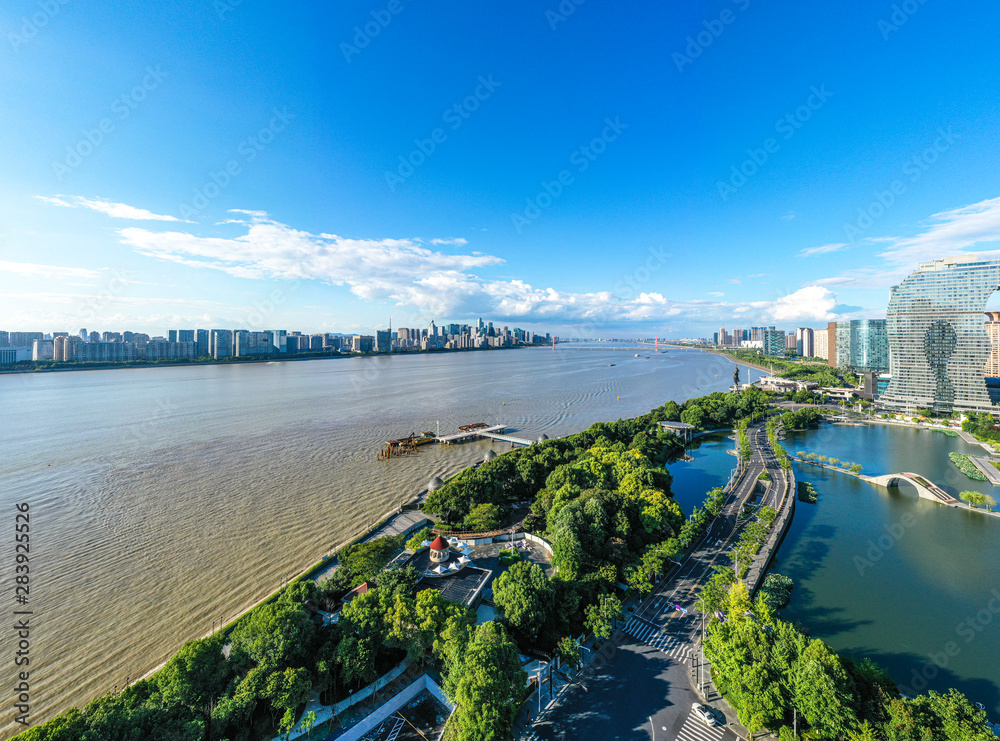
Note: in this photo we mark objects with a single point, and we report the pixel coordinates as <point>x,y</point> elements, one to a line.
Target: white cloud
<point>808,303</point>
<point>716,293</point>
<point>109,208</point>
<point>458,241</point>
<point>950,232</point>
<point>823,249</point>
<point>34,270</point>
<point>437,284</point>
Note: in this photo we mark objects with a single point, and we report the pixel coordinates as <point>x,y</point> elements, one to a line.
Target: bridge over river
<point>925,488</point>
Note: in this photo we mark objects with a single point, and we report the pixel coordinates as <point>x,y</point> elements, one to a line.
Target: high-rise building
<point>821,347</point>
<point>171,335</point>
<point>790,342</point>
<point>250,344</point>
<point>383,340</point>
<point>993,332</point>
<point>805,342</point>
<point>62,348</point>
<point>938,343</point>
<point>25,339</point>
<point>774,342</point>
<point>200,343</point>
<point>4,339</point>
<point>42,350</point>
<point>95,336</point>
<point>363,343</point>
<point>83,334</point>
<point>858,345</point>
<point>221,343</point>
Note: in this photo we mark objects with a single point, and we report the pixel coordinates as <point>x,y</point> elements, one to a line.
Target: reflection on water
<point>886,574</point>
<point>165,498</point>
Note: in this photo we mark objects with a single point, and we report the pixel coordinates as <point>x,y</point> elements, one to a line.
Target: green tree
<point>569,651</point>
<point>276,635</point>
<point>601,617</point>
<point>977,499</point>
<point>397,581</point>
<point>196,676</point>
<point>308,721</point>
<point>416,542</point>
<point>823,691</point>
<point>482,518</point>
<point>524,596</point>
<point>487,685</point>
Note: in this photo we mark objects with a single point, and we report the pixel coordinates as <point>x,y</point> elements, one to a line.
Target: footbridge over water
<point>926,489</point>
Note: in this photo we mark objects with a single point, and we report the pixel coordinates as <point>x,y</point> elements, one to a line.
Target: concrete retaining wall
<point>758,569</point>
<point>370,689</point>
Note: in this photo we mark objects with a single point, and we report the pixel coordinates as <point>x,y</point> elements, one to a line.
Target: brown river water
<point>162,499</point>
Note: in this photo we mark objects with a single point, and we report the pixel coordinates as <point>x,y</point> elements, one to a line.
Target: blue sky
<point>586,169</point>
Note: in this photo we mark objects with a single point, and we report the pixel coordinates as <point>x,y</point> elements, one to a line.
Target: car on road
<point>709,715</point>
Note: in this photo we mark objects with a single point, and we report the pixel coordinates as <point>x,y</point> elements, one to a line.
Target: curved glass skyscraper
<point>938,346</point>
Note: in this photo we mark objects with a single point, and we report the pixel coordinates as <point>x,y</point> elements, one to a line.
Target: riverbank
<point>97,365</point>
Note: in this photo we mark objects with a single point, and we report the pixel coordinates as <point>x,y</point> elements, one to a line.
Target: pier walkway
<point>496,432</point>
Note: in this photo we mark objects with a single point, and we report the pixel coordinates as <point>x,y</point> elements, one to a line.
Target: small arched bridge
<point>925,488</point>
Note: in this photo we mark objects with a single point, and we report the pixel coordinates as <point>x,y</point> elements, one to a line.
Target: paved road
<point>645,688</point>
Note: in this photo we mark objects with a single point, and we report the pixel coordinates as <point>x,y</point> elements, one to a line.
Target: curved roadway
<point>647,685</point>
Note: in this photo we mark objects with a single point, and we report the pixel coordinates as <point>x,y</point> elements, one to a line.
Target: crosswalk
<point>695,729</point>
<point>659,638</point>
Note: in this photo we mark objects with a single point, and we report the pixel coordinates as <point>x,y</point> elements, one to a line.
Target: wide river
<point>884,574</point>
<point>162,499</point>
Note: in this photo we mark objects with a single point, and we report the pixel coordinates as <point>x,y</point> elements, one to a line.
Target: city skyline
<point>155,195</point>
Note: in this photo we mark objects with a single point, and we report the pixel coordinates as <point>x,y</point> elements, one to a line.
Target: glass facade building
<point>938,345</point>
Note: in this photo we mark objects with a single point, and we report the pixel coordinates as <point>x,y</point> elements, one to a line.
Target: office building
<point>383,340</point>
<point>858,345</point>
<point>773,342</point>
<point>939,346</point>
<point>363,343</point>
